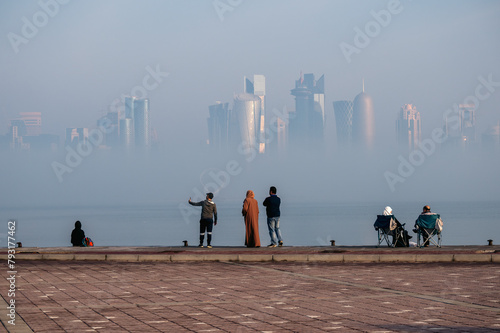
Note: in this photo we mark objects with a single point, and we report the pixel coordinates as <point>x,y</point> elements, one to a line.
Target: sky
<point>83,56</point>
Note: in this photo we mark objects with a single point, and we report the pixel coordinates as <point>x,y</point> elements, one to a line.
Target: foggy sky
<point>90,53</point>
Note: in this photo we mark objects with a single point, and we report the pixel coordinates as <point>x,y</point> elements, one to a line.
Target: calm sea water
<point>302,224</point>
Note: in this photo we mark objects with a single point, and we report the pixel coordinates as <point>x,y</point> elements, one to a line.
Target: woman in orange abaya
<point>251,213</point>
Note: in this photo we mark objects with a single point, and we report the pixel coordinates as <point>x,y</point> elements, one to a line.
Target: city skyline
<point>74,62</point>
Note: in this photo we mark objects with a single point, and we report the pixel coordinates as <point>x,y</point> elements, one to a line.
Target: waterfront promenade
<point>289,289</point>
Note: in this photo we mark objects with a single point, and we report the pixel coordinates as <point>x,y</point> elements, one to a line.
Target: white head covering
<point>387,210</point>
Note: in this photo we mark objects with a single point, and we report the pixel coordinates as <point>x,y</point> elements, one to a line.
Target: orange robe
<point>251,213</point>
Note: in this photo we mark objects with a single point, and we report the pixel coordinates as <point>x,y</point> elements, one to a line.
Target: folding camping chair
<point>425,227</point>
<point>383,227</point>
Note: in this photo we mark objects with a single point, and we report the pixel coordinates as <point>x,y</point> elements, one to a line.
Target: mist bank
<point>113,178</point>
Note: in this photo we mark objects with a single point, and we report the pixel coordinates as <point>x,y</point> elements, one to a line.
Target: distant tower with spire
<point>363,120</point>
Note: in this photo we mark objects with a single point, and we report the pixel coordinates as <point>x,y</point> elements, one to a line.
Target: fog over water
<point>91,53</point>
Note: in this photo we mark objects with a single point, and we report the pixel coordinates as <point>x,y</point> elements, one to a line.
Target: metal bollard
<point>19,244</point>
<point>332,242</point>
<point>185,242</point>
<point>490,242</point>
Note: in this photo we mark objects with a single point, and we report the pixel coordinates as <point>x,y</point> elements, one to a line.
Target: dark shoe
<point>280,243</point>
<point>271,245</point>
<point>201,245</point>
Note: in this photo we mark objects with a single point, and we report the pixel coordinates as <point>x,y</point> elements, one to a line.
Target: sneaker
<point>280,243</point>
<point>201,245</point>
<point>209,246</point>
<point>271,245</point>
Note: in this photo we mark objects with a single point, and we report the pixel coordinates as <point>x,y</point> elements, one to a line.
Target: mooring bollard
<point>490,242</point>
<point>332,242</point>
<point>185,242</point>
<point>19,244</point>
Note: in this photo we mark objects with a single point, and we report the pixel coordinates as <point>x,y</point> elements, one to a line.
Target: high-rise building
<point>461,130</point>
<point>363,121</point>
<point>136,125</point>
<point>218,126</point>
<point>343,121</point>
<point>307,127</point>
<point>245,120</point>
<point>258,88</point>
<point>408,128</point>
<point>33,122</point>
<point>110,122</point>
<point>74,136</point>
<point>17,131</point>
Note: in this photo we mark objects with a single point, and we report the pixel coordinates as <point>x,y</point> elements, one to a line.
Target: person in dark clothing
<point>208,209</point>
<point>272,204</point>
<point>77,235</point>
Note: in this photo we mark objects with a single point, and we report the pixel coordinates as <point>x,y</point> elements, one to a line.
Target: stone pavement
<point>210,296</point>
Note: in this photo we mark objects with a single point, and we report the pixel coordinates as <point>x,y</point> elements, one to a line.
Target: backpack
<point>87,242</point>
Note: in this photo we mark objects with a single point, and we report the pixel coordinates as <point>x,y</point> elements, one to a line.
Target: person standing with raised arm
<point>208,209</point>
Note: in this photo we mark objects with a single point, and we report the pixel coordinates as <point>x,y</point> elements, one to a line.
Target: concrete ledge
<point>154,257</point>
<point>28,256</point>
<point>434,258</point>
<point>472,257</point>
<point>222,257</point>
<point>290,257</point>
<point>99,257</point>
<point>326,257</point>
<point>58,256</point>
<point>398,257</point>
<point>361,258</point>
<point>495,257</point>
<point>255,257</point>
<point>187,257</point>
<point>123,257</point>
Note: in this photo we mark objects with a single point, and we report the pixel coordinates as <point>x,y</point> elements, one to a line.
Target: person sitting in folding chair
<point>388,225</point>
<point>427,226</point>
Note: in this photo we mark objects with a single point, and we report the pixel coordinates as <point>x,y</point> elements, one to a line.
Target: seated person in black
<point>77,235</point>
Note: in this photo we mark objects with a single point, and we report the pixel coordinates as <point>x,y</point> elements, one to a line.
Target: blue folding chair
<point>383,227</point>
<point>425,227</point>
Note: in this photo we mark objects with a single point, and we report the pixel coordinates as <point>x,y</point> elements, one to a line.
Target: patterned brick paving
<point>55,296</point>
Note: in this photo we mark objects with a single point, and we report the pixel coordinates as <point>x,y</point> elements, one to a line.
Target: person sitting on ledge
<point>77,235</point>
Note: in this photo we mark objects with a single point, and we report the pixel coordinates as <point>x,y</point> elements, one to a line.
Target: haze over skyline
<point>88,54</point>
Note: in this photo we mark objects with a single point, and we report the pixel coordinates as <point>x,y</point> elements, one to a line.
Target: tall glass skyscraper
<point>408,127</point>
<point>363,121</point>
<point>136,126</point>
<point>343,121</point>
<point>258,88</point>
<point>245,120</point>
<point>218,127</point>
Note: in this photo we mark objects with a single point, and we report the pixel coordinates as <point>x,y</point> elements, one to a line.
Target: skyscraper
<point>33,122</point>
<point>258,88</point>
<point>218,126</point>
<point>461,130</point>
<point>343,121</point>
<point>363,121</point>
<point>136,126</point>
<point>74,136</point>
<point>245,120</point>
<point>308,124</point>
<point>408,128</point>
